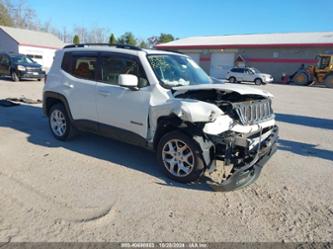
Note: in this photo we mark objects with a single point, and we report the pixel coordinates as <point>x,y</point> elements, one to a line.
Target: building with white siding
<point>40,46</point>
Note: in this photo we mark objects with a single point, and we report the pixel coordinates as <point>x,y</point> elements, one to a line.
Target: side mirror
<point>129,81</point>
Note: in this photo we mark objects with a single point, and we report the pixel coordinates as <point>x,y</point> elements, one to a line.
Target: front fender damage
<point>244,148</point>
<point>187,110</point>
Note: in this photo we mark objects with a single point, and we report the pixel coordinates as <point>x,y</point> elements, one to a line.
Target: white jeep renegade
<point>165,102</point>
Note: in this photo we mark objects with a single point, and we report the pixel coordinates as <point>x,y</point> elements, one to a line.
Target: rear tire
<point>180,157</point>
<point>329,81</point>
<point>60,124</point>
<point>301,79</point>
<point>232,80</point>
<point>14,76</point>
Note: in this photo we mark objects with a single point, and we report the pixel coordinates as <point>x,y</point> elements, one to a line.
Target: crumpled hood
<point>241,89</point>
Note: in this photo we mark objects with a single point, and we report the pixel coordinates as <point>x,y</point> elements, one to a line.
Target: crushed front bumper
<point>248,170</point>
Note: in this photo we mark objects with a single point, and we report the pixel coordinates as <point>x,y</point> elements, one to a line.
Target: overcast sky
<point>185,18</point>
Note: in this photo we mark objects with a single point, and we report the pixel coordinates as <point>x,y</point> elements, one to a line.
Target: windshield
<point>22,59</point>
<point>177,70</point>
<point>255,70</point>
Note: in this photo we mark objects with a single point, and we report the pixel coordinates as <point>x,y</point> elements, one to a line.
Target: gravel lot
<point>95,189</point>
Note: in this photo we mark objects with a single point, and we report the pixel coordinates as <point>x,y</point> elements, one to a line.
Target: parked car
<point>165,102</point>
<point>248,74</point>
<point>19,66</point>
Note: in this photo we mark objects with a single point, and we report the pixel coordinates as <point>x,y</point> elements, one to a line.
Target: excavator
<point>321,73</point>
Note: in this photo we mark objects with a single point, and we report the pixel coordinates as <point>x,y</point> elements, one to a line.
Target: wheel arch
<point>52,98</point>
<point>166,124</point>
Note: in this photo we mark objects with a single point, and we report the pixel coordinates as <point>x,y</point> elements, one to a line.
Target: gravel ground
<point>96,189</point>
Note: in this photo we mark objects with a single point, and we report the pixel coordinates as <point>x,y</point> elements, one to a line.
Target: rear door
<point>79,85</point>
<point>241,74</point>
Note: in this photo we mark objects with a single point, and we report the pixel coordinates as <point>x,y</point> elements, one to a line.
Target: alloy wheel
<point>178,158</point>
<point>58,123</point>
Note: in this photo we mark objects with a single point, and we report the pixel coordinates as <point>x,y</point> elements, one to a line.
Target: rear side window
<point>113,65</point>
<point>237,70</point>
<point>67,63</point>
<point>80,65</point>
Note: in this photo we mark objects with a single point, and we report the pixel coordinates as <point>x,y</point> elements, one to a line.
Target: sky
<point>185,18</point>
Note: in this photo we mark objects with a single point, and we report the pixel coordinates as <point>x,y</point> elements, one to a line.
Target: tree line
<point>21,15</point>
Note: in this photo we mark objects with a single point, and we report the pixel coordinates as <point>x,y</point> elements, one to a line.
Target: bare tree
<point>82,32</point>
<point>97,35</point>
<point>22,15</point>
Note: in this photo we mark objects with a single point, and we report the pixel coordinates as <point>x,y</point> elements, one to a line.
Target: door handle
<point>69,85</point>
<point>104,92</point>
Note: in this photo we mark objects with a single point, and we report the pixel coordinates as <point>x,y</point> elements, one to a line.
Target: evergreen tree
<point>112,40</point>
<point>76,40</point>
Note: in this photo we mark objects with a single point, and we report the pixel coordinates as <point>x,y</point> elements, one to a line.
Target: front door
<point>249,75</point>
<point>119,107</point>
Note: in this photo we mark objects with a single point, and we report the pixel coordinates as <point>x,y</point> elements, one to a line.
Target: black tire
<point>232,80</point>
<point>329,81</point>
<point>198,163</point>
<point>14,76</point>
<point>69,131</point>
<point>301,78</point>
<point>39,79</point>
<point>258,81</point>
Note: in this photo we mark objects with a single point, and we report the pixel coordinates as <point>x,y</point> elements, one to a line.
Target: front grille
<point>33,69</point>
<point>254,112</point>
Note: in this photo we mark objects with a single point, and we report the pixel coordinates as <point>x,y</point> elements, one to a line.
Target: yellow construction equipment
<point>321,73</point>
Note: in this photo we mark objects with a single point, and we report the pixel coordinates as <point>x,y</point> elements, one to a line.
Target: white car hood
<point>241,89</point>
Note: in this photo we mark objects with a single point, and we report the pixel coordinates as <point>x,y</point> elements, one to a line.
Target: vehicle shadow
<point>305,121</point>
<point>305,149</point>
<point>30,120</point>
<point>9,79</point>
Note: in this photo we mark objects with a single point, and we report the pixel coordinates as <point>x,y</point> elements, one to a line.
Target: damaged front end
<point>242,139</point>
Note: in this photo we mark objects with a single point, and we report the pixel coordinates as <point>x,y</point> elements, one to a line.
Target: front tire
<point>60,124</point>
<point>180,157</point>
<point>14,76</point>
<point>301,78</point>
<point>258,81</point>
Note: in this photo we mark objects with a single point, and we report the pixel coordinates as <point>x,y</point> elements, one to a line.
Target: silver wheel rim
<point>58,123</point>
<point>178,158</point>
<point>258,82</point>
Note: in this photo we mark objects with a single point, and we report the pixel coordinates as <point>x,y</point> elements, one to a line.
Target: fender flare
<point>172,122</point>
<point>57,96</point>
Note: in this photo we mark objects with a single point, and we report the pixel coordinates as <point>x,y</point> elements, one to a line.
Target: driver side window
<point>112,66</point>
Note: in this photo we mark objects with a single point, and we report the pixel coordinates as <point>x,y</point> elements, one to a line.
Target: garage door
<point>220,64</point>
<point>195,57</point>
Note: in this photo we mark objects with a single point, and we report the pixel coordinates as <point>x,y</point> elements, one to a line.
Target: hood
<point>32,65</point>
<point>241,89</point>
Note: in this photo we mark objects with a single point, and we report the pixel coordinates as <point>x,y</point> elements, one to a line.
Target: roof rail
<point>82,45</point>
<point>172,51</point>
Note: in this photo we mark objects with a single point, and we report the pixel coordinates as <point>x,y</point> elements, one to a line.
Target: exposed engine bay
<point>247,109</point>
<point>243,153</point>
